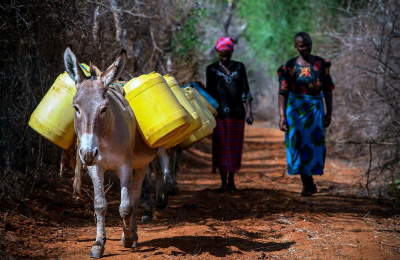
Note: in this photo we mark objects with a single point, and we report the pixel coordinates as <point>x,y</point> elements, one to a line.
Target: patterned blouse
<point>230,91</point>
<point>309,80</point>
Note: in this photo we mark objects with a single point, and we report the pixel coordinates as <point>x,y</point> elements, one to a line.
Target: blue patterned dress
<point>305,139</point>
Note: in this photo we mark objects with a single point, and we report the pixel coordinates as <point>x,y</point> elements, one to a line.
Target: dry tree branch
<point>155,47</point>
<point>17,11</point>
<point>96,25</point>
<point>228,20</point>
<point>140,15</point>
<point>385,165</point>
<point>129,74</point>
<point>391,230</point>
<point>125,11</point>
<point>88,194</point>
<point>108,186</point>
<point>117,20</point>
<point>369,168</point>
<point>161,64</point>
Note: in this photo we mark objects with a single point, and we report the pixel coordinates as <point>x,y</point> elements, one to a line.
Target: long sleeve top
<point>230,91</point>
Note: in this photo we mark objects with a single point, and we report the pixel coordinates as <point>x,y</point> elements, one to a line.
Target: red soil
<point>266,217</point>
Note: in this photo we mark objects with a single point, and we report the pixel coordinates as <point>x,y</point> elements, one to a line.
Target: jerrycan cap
<point>171,81</point>
<point>151,75</point>
<point>85,68</point>
<point>189,92</point>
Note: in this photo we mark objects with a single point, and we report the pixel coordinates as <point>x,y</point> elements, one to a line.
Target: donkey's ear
<point>72,65</point>
<point>115,70</point>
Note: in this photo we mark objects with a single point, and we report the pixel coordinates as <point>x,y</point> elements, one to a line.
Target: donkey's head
<point>92,115</point>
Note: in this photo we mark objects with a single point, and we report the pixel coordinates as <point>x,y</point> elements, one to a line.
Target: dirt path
<point>265,219</point>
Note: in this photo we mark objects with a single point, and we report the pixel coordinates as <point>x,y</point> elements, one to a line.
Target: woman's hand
<point>249,118</point>
<point>249,113</point>
<point>283,125</point>
<point>327,119</point>
<point>328,100</point>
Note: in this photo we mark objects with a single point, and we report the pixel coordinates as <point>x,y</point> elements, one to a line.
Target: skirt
<point>305,138</point>
<point>227,144</point>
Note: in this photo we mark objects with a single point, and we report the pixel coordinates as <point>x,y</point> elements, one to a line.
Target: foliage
<point>272,26</point>
<point>363,38</point>
<point>368,86</point>
<point>187,38</point>
<point>33,35</point>
<point>177,37</point>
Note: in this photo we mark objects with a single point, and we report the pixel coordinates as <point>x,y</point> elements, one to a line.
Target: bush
<point>367,107</point>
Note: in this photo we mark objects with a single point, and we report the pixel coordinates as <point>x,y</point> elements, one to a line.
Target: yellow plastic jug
<point>194,117</point>
<point>206,128</point>
<point>207,112</point>
<point>158,112</point>
<point>53,118</point>
<point>210,108</point>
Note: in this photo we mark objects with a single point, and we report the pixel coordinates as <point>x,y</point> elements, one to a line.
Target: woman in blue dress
<point>304,82</point>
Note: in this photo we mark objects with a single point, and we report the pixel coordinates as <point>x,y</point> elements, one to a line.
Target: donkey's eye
<point>104,110</point>
<point>77,109</point>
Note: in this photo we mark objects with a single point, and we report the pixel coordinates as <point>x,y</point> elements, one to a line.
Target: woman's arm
<point>328,100</point>
<point>284,82</point>
<point>246,95</point>
<point>249,112</point>
<point>328,87</point>
<point>283,125</point>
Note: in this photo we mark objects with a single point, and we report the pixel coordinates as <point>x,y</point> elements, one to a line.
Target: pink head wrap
<point>224,44</point>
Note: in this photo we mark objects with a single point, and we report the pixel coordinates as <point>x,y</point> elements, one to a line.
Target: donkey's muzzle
<point>89,156</point>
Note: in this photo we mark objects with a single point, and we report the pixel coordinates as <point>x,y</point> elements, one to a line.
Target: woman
<point>227,83</point>
<point>303,82</point>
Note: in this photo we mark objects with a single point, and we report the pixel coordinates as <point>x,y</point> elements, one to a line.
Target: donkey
<point>108,138</point>
<point>165,167</point>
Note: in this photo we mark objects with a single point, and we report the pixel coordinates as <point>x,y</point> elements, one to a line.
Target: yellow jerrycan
<point>158,112</point>
<point>206,128</point>
<point>194,117</point>
<point>203,106</point>
<point>53,118</point>
<point>210,108</point>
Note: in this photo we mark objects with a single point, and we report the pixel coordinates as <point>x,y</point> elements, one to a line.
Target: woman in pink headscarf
<point>227,83</point>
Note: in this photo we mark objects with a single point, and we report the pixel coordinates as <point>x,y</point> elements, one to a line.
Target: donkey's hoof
<point>175,191</point>
<point>162,202</point>
<point>168,187</point>
<point>97,250</point>
<point>127,242</point>
<point>146,219</point>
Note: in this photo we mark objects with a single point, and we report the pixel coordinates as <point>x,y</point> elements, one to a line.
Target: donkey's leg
<point>135,192</point>
<point>100,208</point>
<point>146,193</point>
<point>175,156</point>
<point>126,206</point>
<point>164,182</point>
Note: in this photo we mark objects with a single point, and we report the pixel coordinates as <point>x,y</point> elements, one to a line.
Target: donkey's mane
<point>94,71</point>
